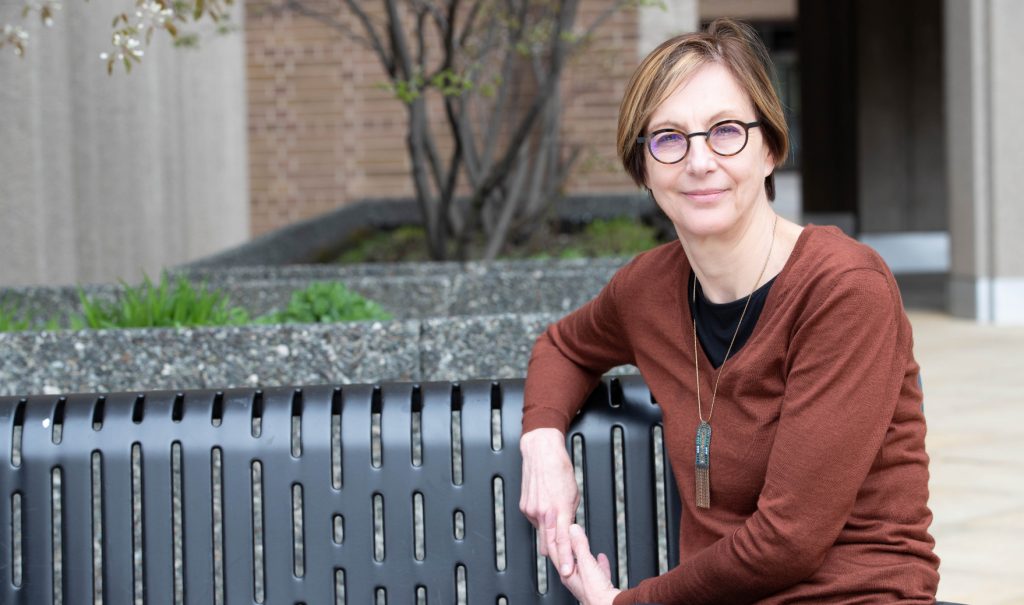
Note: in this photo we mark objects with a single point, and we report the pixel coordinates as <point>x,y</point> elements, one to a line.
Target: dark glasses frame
<point>646,140</point>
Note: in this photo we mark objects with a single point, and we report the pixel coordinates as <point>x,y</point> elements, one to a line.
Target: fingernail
<point>566,569</point>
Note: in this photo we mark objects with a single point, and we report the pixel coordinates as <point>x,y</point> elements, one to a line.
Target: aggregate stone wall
<point>406,290</point>
<point>462,348</point>
<point>452,322</point>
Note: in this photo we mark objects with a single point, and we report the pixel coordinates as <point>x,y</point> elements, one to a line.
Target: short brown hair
<point>731,43</point>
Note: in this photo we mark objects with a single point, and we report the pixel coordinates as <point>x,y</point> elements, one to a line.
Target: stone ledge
<point>407,291</point>
<point>459,348</point>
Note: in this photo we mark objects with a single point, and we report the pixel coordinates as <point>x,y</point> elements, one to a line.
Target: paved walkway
<point>974,402</point>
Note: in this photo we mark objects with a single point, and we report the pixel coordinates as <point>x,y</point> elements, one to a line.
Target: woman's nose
<point>700,158</point>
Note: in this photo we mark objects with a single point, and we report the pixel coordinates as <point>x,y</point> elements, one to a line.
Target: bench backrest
<point>316,495</point>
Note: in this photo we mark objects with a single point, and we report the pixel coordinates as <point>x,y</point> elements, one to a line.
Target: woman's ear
<point>769,162</point>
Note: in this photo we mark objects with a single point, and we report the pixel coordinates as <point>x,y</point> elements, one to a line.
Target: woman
<point>780,355</point>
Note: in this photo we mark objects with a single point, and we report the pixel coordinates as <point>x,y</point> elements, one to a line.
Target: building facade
<point>902,115</point>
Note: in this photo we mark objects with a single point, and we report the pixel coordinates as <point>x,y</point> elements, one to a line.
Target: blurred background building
<point>903,116</point>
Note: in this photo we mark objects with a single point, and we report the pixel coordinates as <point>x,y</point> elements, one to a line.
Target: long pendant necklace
<point>703,441</point>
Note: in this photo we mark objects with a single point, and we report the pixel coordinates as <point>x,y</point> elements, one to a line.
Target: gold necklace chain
<point>718,374</point>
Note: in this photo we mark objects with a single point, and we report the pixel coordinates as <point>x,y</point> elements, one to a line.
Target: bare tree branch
<point>387,59</point>
<point>397,36</point>
<point>459,118</point>
<point>427,6</point>
<point>540,172</point>
<point>459,110</point>
<point>604,16</point>
<point>448,192</point>
<point>428,204</point>
<point>548,166</point>
<point>448,27</point>
<point>421,42</point>
<point>558,57</point>
<point>467,29</point>
<point>324,18</point>
<point>431,150</point>
<point>507,73</point>
<point>513,201</point>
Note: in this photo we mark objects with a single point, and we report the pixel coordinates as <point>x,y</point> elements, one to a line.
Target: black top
<point>716,323</point>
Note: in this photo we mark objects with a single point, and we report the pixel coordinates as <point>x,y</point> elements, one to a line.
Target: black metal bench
<point>318,495</point>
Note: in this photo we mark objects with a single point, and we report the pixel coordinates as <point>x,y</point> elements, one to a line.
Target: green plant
<point>11,322</point>
<point>152,306</point>
<point>326,302</point>
<point>14,320</point>
<point>406,243</point>
<point>621,236</point>
<point>571,253</point>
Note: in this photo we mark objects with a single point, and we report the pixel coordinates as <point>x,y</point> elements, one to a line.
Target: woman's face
<point>706,194</point>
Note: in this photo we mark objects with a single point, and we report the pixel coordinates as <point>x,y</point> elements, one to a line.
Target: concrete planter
<point>452,322</point>
<point>406,290</point>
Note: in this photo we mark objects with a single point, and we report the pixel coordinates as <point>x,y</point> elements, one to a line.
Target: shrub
<point>623,236</point>
<point>407,243</point>
<point>326,302</point>
<point>617,237</point>
<point>163,306</point>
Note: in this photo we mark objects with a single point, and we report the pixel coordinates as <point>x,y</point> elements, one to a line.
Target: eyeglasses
<point>725,138</point>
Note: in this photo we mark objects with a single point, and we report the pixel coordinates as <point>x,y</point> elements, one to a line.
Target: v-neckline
<point>767,312</point>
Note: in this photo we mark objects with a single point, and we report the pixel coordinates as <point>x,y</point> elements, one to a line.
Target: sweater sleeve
<point>569,358</point>
<point>845,364</point>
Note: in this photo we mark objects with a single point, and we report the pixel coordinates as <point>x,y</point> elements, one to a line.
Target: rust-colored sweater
<point>819,476</point>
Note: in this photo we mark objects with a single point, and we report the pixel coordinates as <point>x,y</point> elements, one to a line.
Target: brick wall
<point>323,132</point>
<point>594,84</point>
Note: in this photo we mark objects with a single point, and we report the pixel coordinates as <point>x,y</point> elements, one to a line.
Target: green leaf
<point>10,322</point>
<point>326,302</point>
<point>199,8</point>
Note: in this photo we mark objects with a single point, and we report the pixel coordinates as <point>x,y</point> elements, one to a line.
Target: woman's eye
<point>727,130</point>
<point>669,138</point>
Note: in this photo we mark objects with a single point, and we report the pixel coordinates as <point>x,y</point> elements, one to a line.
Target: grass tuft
<point>160,305</point>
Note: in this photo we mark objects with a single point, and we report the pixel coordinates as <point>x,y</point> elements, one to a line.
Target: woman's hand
<point>549,494</point>
<point>591,582</point>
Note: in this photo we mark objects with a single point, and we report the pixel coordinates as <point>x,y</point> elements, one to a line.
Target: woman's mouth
<point>704,195</point>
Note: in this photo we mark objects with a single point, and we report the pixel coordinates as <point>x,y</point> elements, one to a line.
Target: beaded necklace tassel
<point>703,467</point>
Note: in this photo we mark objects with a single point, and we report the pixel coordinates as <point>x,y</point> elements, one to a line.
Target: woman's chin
<point>704,224</point>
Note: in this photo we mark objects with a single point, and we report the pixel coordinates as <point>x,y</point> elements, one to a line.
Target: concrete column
<point>828,112</point>
<point>900,131</point>
<point>659,23</point>
<point>106,177</point>
<point>983,61</point>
